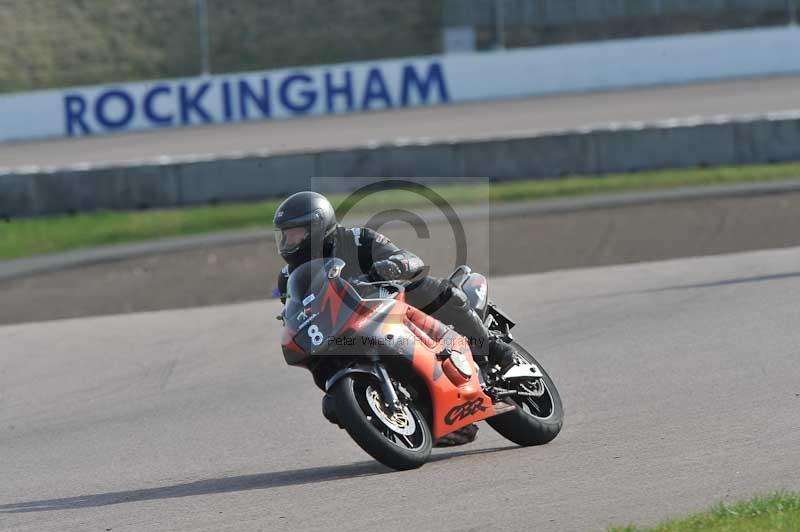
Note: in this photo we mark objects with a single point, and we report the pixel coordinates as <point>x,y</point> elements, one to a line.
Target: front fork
<point>377,370</point>
<point>392,401</point>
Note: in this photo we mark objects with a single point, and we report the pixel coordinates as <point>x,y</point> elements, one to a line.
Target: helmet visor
<point>290,239</point>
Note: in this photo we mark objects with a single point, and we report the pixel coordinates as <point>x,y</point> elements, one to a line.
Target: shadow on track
<point>262,481</point>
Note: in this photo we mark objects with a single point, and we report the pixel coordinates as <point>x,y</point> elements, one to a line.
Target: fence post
<point>499,25</point>
<point>202,33</point>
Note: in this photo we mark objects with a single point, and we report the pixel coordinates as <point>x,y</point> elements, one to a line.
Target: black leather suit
<point>361,247</point>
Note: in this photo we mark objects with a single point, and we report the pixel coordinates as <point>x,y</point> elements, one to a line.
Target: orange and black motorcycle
<point>397,379</point>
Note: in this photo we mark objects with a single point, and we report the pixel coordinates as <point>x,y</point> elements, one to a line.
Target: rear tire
<point>523,426</point>
<point>372,434</point>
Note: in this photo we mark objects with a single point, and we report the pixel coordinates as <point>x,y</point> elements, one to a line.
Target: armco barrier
<point>615,148</point>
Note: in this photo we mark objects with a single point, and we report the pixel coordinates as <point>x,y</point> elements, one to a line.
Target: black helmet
<point>312,216</point>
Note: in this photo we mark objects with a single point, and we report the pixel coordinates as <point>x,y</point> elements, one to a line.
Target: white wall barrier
<point>410,82</point>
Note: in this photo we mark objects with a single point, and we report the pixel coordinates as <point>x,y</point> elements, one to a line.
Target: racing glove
<point>385,270</point>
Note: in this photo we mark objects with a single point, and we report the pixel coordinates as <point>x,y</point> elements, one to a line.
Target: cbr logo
<point>459,412</point>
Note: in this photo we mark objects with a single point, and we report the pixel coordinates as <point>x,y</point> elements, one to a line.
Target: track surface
<point>468,120</point>
<point>681,383</point>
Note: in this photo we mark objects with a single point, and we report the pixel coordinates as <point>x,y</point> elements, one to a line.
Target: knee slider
<point>456,298</point>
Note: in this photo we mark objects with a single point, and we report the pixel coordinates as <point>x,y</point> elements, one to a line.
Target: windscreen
<point>307,279</point>
<point>317,306</point>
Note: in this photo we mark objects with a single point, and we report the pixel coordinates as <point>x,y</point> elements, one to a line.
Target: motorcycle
<point>396,379</point>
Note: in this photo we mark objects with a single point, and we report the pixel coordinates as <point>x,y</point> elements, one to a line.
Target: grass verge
<point>779,512</point>
<point>33,236</point>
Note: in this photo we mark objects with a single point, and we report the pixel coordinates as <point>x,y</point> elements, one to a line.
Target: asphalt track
<point>681,383</point>
<point>465,121</point>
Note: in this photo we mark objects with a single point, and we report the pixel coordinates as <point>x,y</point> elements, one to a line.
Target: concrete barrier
<point>614,148</point>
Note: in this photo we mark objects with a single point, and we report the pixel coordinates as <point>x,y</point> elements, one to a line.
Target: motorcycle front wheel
<point>400,440</point>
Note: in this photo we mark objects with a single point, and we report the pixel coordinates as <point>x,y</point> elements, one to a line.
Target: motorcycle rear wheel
<point>535,421</point>
<point>401,441</point>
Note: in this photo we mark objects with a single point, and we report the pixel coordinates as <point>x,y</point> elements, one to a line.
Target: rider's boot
<point>485,346</point>
<point>502,354</point>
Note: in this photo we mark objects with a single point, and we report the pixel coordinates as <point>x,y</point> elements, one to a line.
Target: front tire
<point>535,421</point>
<point>401,441</point>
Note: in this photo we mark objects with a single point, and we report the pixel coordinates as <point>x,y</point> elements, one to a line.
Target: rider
<point>306,228</point>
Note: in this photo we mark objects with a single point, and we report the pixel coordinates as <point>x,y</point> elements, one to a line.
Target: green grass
<point>58,43</point>
<point>779,512</point>
<point>33,236</point>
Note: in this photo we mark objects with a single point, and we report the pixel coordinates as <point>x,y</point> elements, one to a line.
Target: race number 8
<point>315,334</point>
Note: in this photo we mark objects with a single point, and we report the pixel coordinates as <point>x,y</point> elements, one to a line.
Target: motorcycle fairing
<point>394,328</point>
<point>430,344</point>
<point>384,327</point>
<point>318,309</point>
